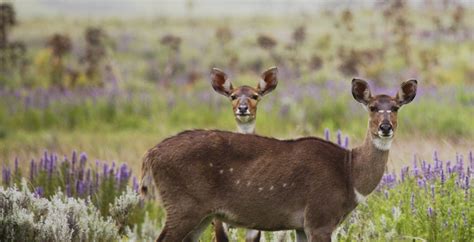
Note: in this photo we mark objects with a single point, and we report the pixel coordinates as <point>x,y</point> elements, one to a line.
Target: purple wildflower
<point>339,140</point>
<point>105,170</point>
<point>6,175</point>
<point>39,192</point>
<point>430,212</point>
<point>16,166</point>
<point>73,160</point>
<point>346,142</point>
<point>443,177</point>
<point>326,134</point>
<point>32,170</point>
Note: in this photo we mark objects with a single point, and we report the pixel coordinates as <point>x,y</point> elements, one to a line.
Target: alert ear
<point>220,82</point>
<point>407,92</point>
<point>268,82</point>
<point>361,91</point>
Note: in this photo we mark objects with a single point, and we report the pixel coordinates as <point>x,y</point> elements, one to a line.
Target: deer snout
<point>243,109</point>
<point>386,129</point>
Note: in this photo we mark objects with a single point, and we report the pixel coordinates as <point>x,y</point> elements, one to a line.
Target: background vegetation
<point>114,85</point>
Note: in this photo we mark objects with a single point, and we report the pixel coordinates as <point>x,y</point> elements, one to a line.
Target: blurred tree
<point>60,45</point>
<point>96,39</point>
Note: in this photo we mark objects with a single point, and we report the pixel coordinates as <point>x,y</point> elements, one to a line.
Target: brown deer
<point>244,100</point>
<point>262,183</point>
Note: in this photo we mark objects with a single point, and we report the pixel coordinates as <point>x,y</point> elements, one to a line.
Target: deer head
<point>383,109</point>
<point>244,99</point>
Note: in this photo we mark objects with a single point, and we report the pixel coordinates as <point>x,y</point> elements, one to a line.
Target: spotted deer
<point>244,100</point>
<point>306,184</point>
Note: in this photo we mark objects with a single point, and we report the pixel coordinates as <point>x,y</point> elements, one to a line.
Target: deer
<point>306,184</point>
<point>244,100</point>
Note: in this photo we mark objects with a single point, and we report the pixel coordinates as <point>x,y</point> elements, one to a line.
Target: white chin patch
<point>244,119</point>
<point>383,143</point>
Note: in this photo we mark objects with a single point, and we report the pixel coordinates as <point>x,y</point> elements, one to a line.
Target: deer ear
<point>407,92</point>
<point>268,82</point>
<point>361,91</point>
<point>220,82</point>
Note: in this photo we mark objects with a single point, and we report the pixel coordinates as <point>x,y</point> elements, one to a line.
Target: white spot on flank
<point>359,197</point>
<point>211,165</point>
<point>221,171</point>
<point>231,170</point>
<point>382,143</point>
<point>260,188</point>
<point>271,188</point>
<point>284,184</point>
<point>248,183</point>
<point>237,182</point>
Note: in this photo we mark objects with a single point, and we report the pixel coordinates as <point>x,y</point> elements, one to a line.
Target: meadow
<point>113,87</point>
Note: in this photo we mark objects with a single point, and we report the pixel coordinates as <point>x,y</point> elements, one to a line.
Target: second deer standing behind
<point>244,101</point>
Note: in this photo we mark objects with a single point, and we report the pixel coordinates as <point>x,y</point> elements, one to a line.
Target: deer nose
<point>243,108</point>
<point>385,128</point>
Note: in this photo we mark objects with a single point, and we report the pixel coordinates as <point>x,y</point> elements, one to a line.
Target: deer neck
<point>246,127</point>
<point>369,161</point>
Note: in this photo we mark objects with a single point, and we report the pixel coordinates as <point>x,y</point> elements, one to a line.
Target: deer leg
<point>301,236</point>
<point>321,234</point>
<point>318,225</point>
<point>252,236</point>
<point>194,235</point>
<point>179,225</point>
<point>220,231</point>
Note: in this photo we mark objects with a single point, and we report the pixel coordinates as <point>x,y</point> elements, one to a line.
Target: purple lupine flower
<point>39,192</point>
<point>443,177</point>
<point>105,170</point>
<point>6,174</point>
<point>412,202</point>
<point>385,192</point>
<point>432,191</point>
<point>346,142</point>
<point>79,187</point>
<point>46,161</point>
<point>430,212</point>
<point>339,140</point>
<point>16,166</point>
<point>326,134</point>
<point>32,169</point>
<point>73,160</point>
<point>421,182</point>
<point>466,184</point>
<point>83,159</point>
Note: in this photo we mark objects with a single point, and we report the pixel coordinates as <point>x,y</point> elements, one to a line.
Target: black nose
<point>385,128</point>
<point>243,108</point>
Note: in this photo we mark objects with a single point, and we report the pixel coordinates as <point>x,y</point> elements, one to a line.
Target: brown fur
<point>243,96</point>
<point>263,183</point>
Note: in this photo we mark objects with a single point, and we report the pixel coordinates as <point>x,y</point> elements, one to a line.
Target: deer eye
<point>394,109</point>
<point>233,97</point>
<point>255,96</point>
<point>373,109</point>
